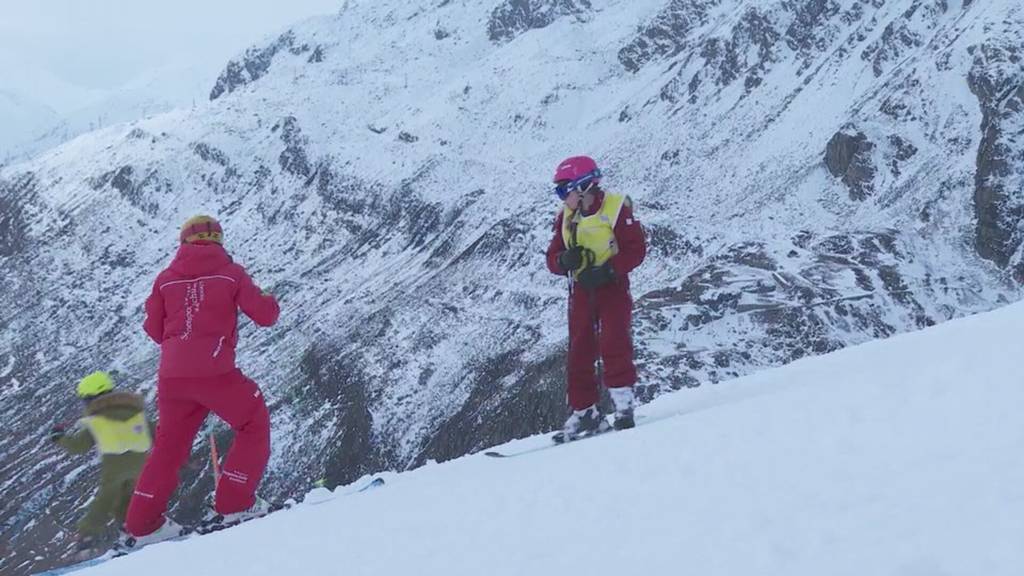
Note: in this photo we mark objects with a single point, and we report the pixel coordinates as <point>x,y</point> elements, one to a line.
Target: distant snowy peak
<point>512,18</point>
<point>21,116</point>
<point>156,92</point>
<point>256,62</point>
<point>508,20</point>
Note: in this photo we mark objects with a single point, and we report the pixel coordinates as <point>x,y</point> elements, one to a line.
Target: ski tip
<point>376,482</point>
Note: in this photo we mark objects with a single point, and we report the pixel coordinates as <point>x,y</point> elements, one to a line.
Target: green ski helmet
<point>95,384</point>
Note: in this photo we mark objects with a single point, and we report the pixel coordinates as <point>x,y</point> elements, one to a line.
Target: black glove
<point>56,432</point>
<point>596,276</point>
<point>571,259</point>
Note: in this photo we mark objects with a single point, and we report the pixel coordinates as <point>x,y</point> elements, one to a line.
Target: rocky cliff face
<point>995,78</point>
<point>812,174</point>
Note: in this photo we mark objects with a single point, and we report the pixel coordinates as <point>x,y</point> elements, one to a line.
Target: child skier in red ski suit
<point>597,242</point>
<point>192,314</point>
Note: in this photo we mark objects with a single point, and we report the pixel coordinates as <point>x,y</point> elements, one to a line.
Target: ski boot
<point>215,521</point>
<point>623,400</point>
<point>581,423</point>
<point>169,530</point>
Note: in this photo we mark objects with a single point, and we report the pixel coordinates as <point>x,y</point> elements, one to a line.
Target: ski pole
<point>215,459</point>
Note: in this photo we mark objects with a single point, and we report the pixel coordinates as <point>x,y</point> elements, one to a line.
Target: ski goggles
<point>564,189</point>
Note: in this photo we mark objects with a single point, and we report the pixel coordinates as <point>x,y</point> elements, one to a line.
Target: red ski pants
<point>599,322</point>
<point>183,404</point>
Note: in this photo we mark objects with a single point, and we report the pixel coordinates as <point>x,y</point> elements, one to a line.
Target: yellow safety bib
<point>120,436</point>
<point>595,232</point>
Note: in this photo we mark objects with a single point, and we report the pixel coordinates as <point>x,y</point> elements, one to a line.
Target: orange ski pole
<point>215,459</point>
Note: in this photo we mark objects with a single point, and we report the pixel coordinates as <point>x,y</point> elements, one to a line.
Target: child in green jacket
<point>115,423</point>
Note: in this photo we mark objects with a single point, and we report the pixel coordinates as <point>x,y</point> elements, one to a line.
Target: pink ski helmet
<point>575,172</point>
<point>574,168</point>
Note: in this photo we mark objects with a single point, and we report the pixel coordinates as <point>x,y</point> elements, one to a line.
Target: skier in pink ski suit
<point>192,314</point>
<point>597,242</point>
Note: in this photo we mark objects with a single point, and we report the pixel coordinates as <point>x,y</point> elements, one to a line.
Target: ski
<point>115,552</point>
<point>198,530</point>
<point>80,565</point>
<point>211,527</point>
<point>216,523</point>
<point>555,442</point>
<point>374,483</point>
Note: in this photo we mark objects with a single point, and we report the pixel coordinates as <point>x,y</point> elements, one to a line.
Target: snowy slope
<point>813,174</point>
<point>900,457</point>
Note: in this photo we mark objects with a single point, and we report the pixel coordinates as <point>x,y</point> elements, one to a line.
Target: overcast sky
<point>105,43</point>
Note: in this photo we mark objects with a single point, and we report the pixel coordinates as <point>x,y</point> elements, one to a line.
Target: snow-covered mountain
<point>21,117</point>
<point>32,126</point>
<point>877,459</point>
<point>812,174</point>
